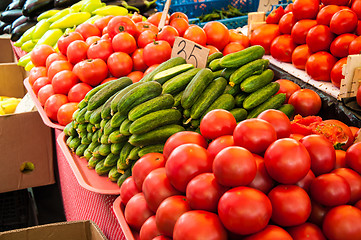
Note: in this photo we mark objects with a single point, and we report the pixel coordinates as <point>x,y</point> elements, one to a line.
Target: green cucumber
<point>122,163</point>
<point>272,103</point>
<point>80,118</point>
<point>178,99</point>
<point>207,97</point>
<point>111,160</point>
<point>104,149</point>
<point>74,143</point>
<point>87,154</point>
<point>108,129</point>
<point>240,58</point>
<point>186,113</point>
<point>95,136</point>
<point>104,139</point>
<point>133,155</point>
<point>213,56</point>
<point>240,98</point>
<point>195,87</point>
<point>255,82</point>
<point>81,149</point>
<point>100,169</point>
<point>96,153</point>
<point>239,114</point>
<point>85,140</point>
<point>117,120</point>
<point>92,146</point>
<point>225,101</point>
<point>95,116</point>
<point>248,70</point>
<point>163,66</point>
<point>215,65</point>
<point>93,161</point>
<point>156,136</point>
<point>75,114</point>
<point>138,95</point>
<point>82,129</point>
<point>106,112</point>
<point>155,119</point>
<point>113,174</point>
<point>94,91</point>
<point>227,72</point>
<point>156,148</point>
<point>169,73</point>
<point>127,173</point>
<point>119,96</point>
<point>82,104</point>
<point>261,95</point>
<point>287,109</point>
<point>109,90</point>
<point>217,74</point>
<point>124,127</point>
<point>233,90</point>
<point>90,128</point>
<point>87,115</point>
<point>164,101</point>
<point>180,82</point>
<point>116,137</point>
<point>195,123</point>
<point>116,147</point>
<point>103,122</point>
<point>69,130</point>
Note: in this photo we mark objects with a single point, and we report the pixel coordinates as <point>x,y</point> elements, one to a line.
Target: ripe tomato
<point>101,23</point>
<point>306,230</point>
<point>63,81</point>
<point>40,53</point>
<point>212,49</point>
<point>289,8</point>
<point>288,87</point>
<point>251,210</point>
<point>121,24</point>
<point>270,232</point>
<point>217,123</point>
<point>197,35</point>
<point>203,192</point>
<point>254,134</point>
<point>149,229</point>
<point>238,36</point>
<point>344,129</point>
<point>91,71</point>
<point>318,213</point>
<point>108,80</point>
<point>175,15</point>
<point>286,23</point>
<point>92,39</point>
<point>100,49</point>
<point>128,190</point>
<point>264,35</point>
<point>335,2</point>
<point>146,37</point>
<point>282,48</point>
<point>287,161</point>
<point>150,69</point>
<point>44,93</point>
<point>136,17</point>
<point>344,21</point>
<point>342,222</point>
<point>136,211</point>
<point>300,55</point>
<point>185,162</point>
<point>120,64</point>
<point>225,167</point>
<point>155,18</point>
<point>168,213</point>
<point>143,26</point>
<point>180,24</point>
<point>65,113</point>
<point>156,52</point>
<point>319,38</point>
<point>58,66</point>
<point>356,7</point>
<point>135,76</point>
<point>77,51</point>
<point>220,143</point>
<point>279,120</point>
<point>330,189</point>
<point>275,15</point>
<point>52,105</point>
<point>217,34</point>
<point>232,47</point>
<point>66,39</point>
<point>305,9</point>
<point>199,224</point>
<point>161,237</point>
<point>39,83</point>
<point>306,102</point>
<point>325,14</point>
<point>300,29</point>
<point>354,180</point>
<point>340,45</point>
<point>340,159</point>
<point>124,42</point>
<point>168,33</point>
<point>306,181</point>
<point>35,73</point>
<point>353,157</point>
<point>78,92</point>
<point>88,30</point>
<point>319,66</point>
<point>355,46</point>
<point>262,181</point>
<point>138,62</point>
<point>336,72</point>
<point>54,57</point>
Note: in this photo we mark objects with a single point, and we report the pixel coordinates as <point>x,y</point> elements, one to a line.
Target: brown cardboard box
<point>23,138</point>
<point>7,53</point>
<point>76,230</point>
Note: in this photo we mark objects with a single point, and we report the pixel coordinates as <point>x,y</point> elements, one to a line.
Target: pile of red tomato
<point>113,47</point>
<point>257,179</point>
<point>313,35</point>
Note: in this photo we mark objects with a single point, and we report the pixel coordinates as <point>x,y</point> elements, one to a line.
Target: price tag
<point>164,14</point>
<point>266,5</point>
<point>352,73</point>
<point>192,52</point>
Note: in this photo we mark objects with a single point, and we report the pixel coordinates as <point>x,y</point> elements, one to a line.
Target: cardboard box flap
<point>11,80</point>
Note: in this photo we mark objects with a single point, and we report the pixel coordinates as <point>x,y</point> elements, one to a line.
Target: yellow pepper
<point>40,29</point>
<point>111,10</point>
<point>24,60</point>
<point>71,20</point>
<point>50,37</point>
<point>90,5</point>
<point>47,14</point>
<point>28,45</point>
<point>60,15</point>
<point>29,66</point>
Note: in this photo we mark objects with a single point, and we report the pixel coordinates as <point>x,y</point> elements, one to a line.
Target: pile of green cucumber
<point>118,122</point>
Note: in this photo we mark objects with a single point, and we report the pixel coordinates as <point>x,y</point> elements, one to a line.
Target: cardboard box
<point>23,138</point>
<point>76,230</point>
<point>6,50</point>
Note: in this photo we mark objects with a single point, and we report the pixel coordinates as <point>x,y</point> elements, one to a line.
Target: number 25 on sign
<point>192,52</point>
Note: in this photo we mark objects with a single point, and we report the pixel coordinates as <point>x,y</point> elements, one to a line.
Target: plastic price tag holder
<point>192,52</point>
<point>255,19</point>
<point>164,15</point>
<point>352,73</point>
<point>266,5</point>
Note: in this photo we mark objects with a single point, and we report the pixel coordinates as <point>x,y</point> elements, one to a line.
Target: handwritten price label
<point>266,5</point>
<point>192,52</point>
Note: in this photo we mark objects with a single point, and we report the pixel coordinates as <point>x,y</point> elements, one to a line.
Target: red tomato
<point>354,180</point>
<point>91,71</point>
<point>120,64</point>
<point>66,39</point>
<point>306,181</point>
<point>345,129</point>
<point>161,237</point>
<point>300,55</point>
<point>168,33</point>
<point>340,159</point>
<point>344,21</point>
<point>217,123</point>
<point>355,46</point>
<point>135,76</point>
<point>100,49</point>
<point>54,57</point>
<point>340,46</point>
<point>279,120</point>
<point>220,143</point>
<point>92,39</point>
<point>145,165</point>
<point>178,15</point>
<point>199,224</point>
<point>39,83</point>
<point>356,7</point>
<point>185,162</point>
<point>137,17</point>
<point>225,167</point>
<point>203,192</point>
<point>63,81</point>
<point>318,213</point>
<point>88,30</point>
<point>305,9</point>
<point>319,66</point>
<point>138,62</point>
<point>144,26</point>
<point>77,51</point>
<point>150,69</point>
<point>40,53</point>
<point>232,47</point>
<point>325,14</point>
<point>180,24</point>
<point>101,23</point>
<point>168,213</point>
<point>251,210</point>
<point>289,8</point>
<point>58,66</point>
<point>136,211</point>
<point>156,52</point>
<point>35,73</point>
<point>121,24</point>
<point>287,161</point>
<point>319,38</point>
<point>149,229</point>
<point>336,72</point>
<point>52,105</point>
<point>354,131</point>
<point>197,35</point>
<point>300,29</point>
<point>65,113</point>
<point>306,102</point>
<point>275,15</point>
<point>335,2</point>
<point>78,92</point>
<point>128,189</point>
<point>270,232</point>
<point>254,134</point>
<point>108,80</point>
<point>262,181</point>
<point>155,18</point>
<point>330,189</point>
<point>286,23</point>
<point>282,48</point>
<point>212,49</point>
<point>288,87</point>
<point>342,222</point>
<point>146,37</point>
<point>124,42</point>
<point>44,93</point>
<point>306,230</point>
<point>291,205</point>
<point>263,35</point>
<point>238,36</point>
<point>217,34</point>
<point>353,157</point>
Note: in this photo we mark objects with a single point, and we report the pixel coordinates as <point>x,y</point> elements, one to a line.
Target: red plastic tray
<point>118,209</point>
<point>87,178</point>
<point>40,108</point>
